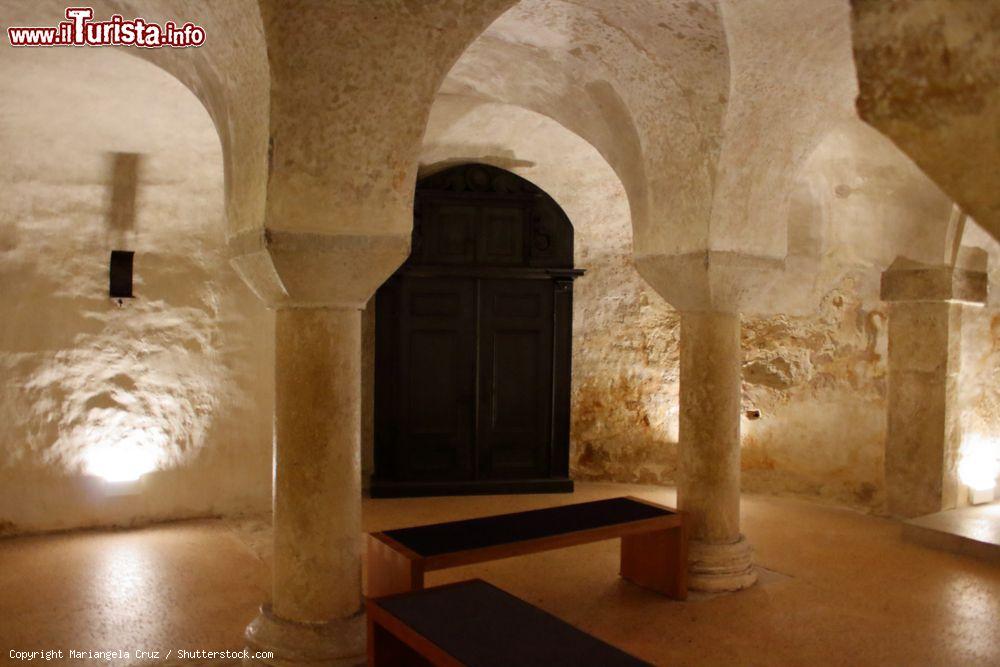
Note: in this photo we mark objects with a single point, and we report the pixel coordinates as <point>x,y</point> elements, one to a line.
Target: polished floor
<point>837,588</point>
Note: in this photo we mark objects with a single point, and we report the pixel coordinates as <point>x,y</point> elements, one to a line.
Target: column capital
<point>713,280</point>
<point>911,281</point>
<point>286,268</point>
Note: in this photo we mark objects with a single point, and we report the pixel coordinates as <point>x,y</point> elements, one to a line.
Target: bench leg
<point>389,571</point>
<point>657,560</point>
<point>387,650</point>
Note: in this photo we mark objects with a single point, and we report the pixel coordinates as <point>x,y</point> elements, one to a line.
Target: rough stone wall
<point>819,384</point>
<point>815,378</point>
<point>625,360</point>
<point>817,381</point>
<point>180,378</point>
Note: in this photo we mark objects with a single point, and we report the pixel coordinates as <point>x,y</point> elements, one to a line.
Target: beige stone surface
<point>928,80</point>
<point>314,613</point>
<point>351,85</point>
<point>710,147</point>
<point>708,487</point>
<point>936,283</point>
<point>735,82</point>
<point>923,434</point>
<point>317,462</point>
<point>709,484</point>
<point>713,142</point>
<point>644,82</point>
<point>933,391</point>
<point>816,372</point>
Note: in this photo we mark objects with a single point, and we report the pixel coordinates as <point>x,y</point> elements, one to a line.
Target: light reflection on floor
<point>841,588</point>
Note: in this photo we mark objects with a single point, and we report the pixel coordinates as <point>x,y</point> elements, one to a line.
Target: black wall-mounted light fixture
<point>121,274</point>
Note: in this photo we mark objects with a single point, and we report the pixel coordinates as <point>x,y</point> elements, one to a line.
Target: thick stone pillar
<point>709,484</point>
<point>317,283</point>
<point>923,420</point>
<point>315,614</point>
<point>924,432</point>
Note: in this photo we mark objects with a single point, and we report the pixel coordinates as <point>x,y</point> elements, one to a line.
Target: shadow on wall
<point>124,177</point>
<point>504,159</point>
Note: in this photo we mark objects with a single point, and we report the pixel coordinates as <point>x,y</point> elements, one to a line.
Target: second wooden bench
<point>654,543</point>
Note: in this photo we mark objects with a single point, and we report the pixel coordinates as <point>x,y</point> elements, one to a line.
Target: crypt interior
<point>390,263</point>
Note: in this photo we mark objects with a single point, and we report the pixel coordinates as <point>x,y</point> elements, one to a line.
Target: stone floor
<point>837,588</point>
<point>973,531</point>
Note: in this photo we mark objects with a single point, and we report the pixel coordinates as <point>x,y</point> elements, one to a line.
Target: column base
<point>339,643</point>
<point>719,568</point>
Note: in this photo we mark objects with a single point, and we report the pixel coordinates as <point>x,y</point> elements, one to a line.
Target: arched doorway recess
<point>473,342</point>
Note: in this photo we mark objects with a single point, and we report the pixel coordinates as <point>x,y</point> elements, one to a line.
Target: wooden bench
<point>475,624</point>
<point>654,543</point>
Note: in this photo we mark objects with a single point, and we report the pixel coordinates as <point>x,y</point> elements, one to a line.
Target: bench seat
<point>476,624</point>
<point>654,543</point>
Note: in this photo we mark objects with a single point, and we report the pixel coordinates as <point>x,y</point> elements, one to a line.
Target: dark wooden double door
<point>473,333</point>
<point>472,379</point>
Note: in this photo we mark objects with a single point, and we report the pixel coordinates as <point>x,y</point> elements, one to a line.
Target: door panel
<point>437,376</point>
<point>515,358</point>
<point>450,236</point>
<point>501,235</point>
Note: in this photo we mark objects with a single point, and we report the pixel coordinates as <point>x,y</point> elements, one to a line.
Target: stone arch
<point>789,82</point>
<point>855,166</point>
<point>608,360</point>
<point>228,75</point>
<point>468,129</point>
<point>618,76</point>
<point>705,123</point>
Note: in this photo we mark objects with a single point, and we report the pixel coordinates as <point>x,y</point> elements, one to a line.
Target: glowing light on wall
<point>126,460</point>
<point>979,465</point>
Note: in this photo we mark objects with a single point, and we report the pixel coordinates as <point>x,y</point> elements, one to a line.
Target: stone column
<point>709,484</point>
<point>315,614</point>
<point>317,283</point>
<point>924,433</point>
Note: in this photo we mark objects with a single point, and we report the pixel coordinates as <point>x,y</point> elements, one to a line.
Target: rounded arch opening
<point>228,75</point>
<point>473,337</point>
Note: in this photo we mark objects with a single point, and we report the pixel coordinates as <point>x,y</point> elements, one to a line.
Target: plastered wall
<point>178,380</point>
